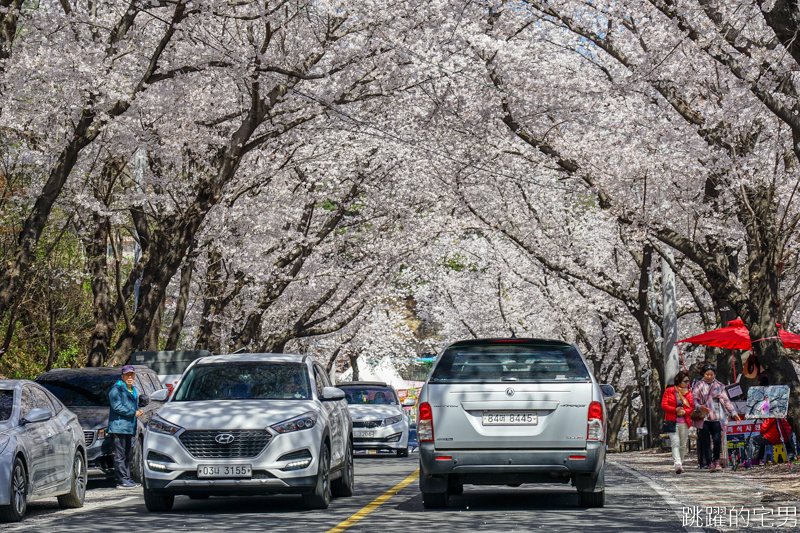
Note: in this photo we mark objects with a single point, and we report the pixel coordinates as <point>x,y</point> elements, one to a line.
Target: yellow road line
<point>375,503</point>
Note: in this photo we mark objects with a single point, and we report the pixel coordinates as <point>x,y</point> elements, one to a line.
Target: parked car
<point>511,411</point>
<point>42,453</point>
<point>250,424</point>
<point>379,420</point>
<point>85,392</point>
<point>169,365</point>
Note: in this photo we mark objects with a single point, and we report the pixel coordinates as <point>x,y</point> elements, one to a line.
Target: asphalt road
<point>631,505</point>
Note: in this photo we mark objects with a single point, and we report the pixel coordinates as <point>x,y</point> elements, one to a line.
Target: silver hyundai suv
<point>511,411</point>
<point>250,424</point>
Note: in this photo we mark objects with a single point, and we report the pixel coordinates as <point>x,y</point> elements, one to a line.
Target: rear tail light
<point>425,423</point>
<point>595,426</point>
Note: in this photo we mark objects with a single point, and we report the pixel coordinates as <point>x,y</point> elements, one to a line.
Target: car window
<point>370,395</point>
<point>155,381</point>
<point>319,381</point>
<point>143,384</point>
<point>26,402</point>
<point>6,404</point>
<point>41,399</point>
<point>80,390</point>
<point>245,380</point>
<point>510,362</point>
<point>56,404</point>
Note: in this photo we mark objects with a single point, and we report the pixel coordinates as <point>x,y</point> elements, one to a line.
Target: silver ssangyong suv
<point>379,420</point>
<point>511,411</point>
<point>250,424</point>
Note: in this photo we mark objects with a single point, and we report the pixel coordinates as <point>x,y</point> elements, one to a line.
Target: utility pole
<point>669,332</point>
<point>139,164</point>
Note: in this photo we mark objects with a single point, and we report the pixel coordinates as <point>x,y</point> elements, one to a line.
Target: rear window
<point>510,362</point>
<point>245,381</point>
<point>81,391</point>
<point>370,396</point>
<point>6,404</point>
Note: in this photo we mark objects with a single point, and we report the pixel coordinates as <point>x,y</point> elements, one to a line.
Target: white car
<point>250,424</point>
<point>379,420</point>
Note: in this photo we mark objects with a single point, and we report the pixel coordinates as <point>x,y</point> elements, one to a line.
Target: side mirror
<point>608,391</point>
<point>409,402</point>
<point>144,400</point>
<point>160,395</point>
<point>332,394</point>
<point>37,415</point>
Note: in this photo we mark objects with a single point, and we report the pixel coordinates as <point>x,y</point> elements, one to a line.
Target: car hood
<point>91,417</point>
<point>233,414</point>
<point>372,411</point>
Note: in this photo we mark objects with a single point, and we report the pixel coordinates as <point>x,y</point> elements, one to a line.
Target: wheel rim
<point>80,476</point>
<point>325,473</point>
<point>19,489</point>
<point>350,465</point>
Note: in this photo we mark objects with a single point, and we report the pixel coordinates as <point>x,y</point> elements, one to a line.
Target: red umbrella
<point>736,337</point>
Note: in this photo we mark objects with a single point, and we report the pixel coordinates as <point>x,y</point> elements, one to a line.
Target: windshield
<point>81,391</point>
<point>506,362</point>
<point>370,396</point>
<point>6,404</point>
<point>245,381</point>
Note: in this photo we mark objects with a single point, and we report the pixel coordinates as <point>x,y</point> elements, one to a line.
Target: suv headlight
<point>305,421</point>
<point>159,425</point>
<point>393,420</point>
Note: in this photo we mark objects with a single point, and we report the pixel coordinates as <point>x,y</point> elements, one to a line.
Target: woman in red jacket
<point>677,404</point>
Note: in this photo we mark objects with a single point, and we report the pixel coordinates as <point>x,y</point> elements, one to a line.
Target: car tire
<point>344,486</point>
<point>137,462</point>
<point>435,500</point>
<point>592,499</point>
<point>157,502</point>
<point>19,494</point>
<point>74,498</point>
<point>402,453</point>
<point>320,498</point>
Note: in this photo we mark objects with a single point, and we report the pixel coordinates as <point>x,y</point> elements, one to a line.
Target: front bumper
<point>394,437</point>
<point>100,456</point>
<point>497,467</point>
<point>268,474</point>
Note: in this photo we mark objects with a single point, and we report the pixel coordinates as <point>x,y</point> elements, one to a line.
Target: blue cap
<point>128,368</point>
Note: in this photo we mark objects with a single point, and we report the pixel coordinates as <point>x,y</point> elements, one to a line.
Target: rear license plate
<point>510,418</point>
<point>224,471</point>
<point>363,434</point>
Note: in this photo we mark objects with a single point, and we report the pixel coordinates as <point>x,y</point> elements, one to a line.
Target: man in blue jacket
<point>124,400</point>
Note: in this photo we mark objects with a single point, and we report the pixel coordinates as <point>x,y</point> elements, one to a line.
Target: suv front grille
<point>245,443</point>
<point>88,436</point>
<point>368,424</point>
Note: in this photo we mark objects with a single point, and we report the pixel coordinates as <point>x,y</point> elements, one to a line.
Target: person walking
<point>124,410</point>
<point>773,431</point>
<point>710,397</point>
<point>677,403</point>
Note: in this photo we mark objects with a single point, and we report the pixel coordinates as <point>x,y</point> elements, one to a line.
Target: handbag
<point>697,414</point>
<point>669,427</point>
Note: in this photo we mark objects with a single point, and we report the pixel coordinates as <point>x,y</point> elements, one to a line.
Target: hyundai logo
<point>510,391</point>
<point>224,438</point>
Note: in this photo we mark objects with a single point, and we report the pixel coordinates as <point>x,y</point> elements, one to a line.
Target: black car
<point>84,391</point>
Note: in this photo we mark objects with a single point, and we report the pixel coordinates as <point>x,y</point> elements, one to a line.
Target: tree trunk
<point>354,365</point>
<point>151,339</point>
<point>96,252</point>
<point>180,306</point>
<point>205,337</point>
<point>51,347</point>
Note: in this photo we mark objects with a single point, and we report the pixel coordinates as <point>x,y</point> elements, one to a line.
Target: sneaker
<point>678,469</point>
<point>127,485</point>
<point>714,466</point>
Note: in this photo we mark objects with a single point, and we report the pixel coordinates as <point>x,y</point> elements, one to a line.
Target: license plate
<point>510,418</point>
<point>224,471</point>
<point>363,434</point>
<point>372,452</point>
